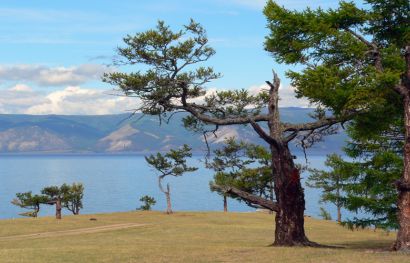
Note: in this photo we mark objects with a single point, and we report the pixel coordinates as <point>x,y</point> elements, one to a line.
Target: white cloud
<point>18,98</point>
<point>21,87</point>
<point>76,100</point>
<point>286,96</point>
<point>52,76</point>
<point>21,99</point>
<point>81,101</point>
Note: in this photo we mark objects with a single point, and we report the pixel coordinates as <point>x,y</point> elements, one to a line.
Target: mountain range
<point>123,133</point>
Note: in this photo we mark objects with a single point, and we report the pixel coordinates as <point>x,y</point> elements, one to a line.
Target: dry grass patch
<point>185,237</point>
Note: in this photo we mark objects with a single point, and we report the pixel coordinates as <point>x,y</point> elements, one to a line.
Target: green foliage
<point>29,201</point>
<point>325,214</point>
<point>340,50</point>
<point>331,182</point>
<point>173,162</point>
<point>244,166</point>
<point>367,180</point>
<point>72,197</point>
<point>169,76</point>
<point>148,201</point>
<point>352,62</point>
<point>167,55</point>
<point>379,164</point>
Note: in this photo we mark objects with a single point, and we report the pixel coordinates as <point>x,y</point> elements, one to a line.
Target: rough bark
<point>168,196</point>
<point>338,203</point>
<point>166,192</point>
<point>403,235</point>
<point>225,204</point>
<point>289,217</point>
<point>339,214</point>
<point>58,208</point>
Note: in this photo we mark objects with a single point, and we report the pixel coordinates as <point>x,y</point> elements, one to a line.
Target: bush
<point>148,202</point>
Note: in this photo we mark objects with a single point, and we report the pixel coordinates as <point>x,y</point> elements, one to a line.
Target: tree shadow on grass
<point>371,245</point>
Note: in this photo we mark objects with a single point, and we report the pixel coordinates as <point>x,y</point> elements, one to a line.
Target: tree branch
<point>315,125</point>
<point>402,186</point>
<point>375,52</point>
<point>264,135</point>
<point>265,203</point>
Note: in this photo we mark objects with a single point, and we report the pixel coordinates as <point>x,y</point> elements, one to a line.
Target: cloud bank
<point>77,100</point>
<point>52,76</point>
<point>72,100</point>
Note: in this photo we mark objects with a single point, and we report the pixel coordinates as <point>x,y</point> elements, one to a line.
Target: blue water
<point>116,182</point>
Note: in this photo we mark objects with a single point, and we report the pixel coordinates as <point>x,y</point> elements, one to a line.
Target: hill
<point>124,134</point>
<point>182,237</point>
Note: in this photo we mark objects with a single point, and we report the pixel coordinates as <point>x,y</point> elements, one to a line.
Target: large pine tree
<point>356,60</point>
<point>168,80</point>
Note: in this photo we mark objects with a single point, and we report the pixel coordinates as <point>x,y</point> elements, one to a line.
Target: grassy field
<point>182,237</point>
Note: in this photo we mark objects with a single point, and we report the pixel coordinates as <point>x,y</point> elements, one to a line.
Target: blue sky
<point>53,52</point>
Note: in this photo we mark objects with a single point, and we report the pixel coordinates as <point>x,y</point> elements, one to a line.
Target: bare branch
<point>264,135</point>
<point>254,199</point>
<point>315,125</point>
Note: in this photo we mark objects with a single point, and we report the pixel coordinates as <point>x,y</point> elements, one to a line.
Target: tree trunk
<point>289,230</point>
<point>338,203</point>
<point>290,199</point>
<point>339,214</point>
<point>58,208</point>
<point>168,196</point>
<point>403,203</point>
<point>225,204</point>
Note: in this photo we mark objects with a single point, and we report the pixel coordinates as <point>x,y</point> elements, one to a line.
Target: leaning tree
<point>172,163</point>
<point>29,201</point>
<point>352,59</point>
<point>169,81</point>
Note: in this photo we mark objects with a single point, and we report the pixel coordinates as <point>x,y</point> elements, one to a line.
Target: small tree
<point>241,169</point>
<point>55,197</point>
<point>331,182</point>
<point>172,163</point>
<point>29,201</point>
<point>73,197</point>
<point>377,164</point>
<point>148,201</point>
<point>325,214</point>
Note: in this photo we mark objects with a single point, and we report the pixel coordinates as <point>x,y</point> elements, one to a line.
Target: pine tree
<point>354,60</point>
<point>172,163</point>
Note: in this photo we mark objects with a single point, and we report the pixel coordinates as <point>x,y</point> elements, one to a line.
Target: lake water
<point>116,182</point>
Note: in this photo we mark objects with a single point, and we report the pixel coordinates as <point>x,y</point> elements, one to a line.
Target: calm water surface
<point>116,182</point>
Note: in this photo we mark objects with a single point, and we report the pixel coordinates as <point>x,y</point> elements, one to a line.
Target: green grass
<point>186,237</point>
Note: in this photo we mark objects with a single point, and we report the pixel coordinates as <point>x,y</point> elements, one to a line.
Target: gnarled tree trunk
<point>403,185</point>
<point>290,200</point>
<point>225,204</point>
<point>58,208</point>
<point>168,196</point>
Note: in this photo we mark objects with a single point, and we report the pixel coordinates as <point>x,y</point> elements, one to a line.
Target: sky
<point>53,53</point>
